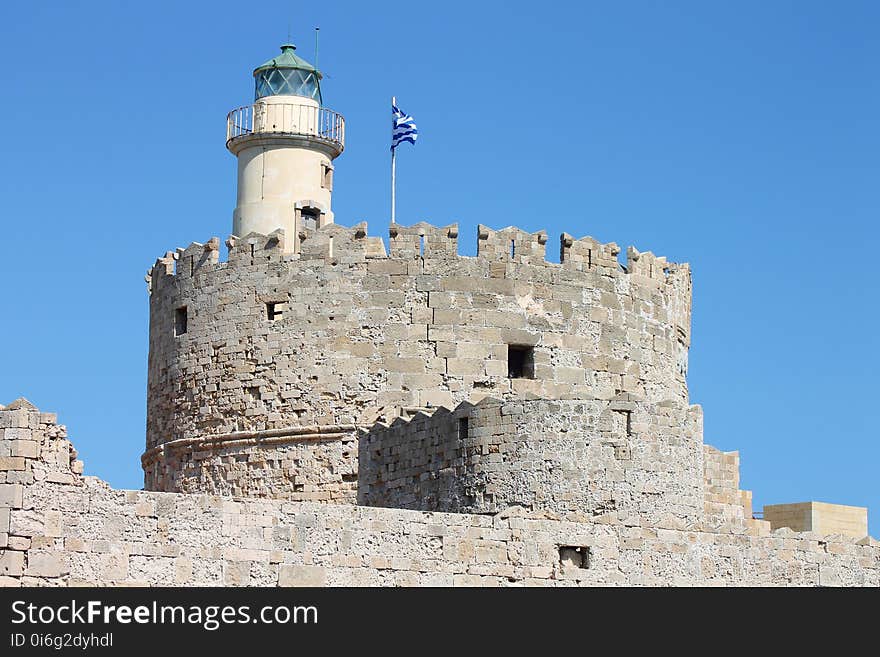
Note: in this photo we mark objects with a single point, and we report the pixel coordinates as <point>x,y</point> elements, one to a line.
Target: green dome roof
<point>288,59</point>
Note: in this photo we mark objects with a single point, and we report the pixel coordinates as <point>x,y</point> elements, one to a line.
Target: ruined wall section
<point>726,506</point>
<point>342,334</point>
<point>58,528</point>
<point>620,458</point>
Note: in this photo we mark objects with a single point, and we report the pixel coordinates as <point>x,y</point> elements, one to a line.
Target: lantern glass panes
<point>287,82</point>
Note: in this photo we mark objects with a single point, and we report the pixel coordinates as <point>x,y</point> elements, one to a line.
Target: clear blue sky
<point>740,137</point>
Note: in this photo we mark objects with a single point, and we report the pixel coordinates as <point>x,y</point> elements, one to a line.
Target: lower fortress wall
<point>588,457</point>
<point>58,527</point>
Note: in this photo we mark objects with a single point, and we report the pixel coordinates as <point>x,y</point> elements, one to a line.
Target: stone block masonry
<point>724,502</point>
<point>574,458</point>
<point>340,335</point>
<point>58,528</point>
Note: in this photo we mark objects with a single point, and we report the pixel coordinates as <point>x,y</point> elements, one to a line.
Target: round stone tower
<point>267,369</point>
<point>285,144</point>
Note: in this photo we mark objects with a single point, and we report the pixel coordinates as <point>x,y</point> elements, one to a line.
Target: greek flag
<point>403,127</point>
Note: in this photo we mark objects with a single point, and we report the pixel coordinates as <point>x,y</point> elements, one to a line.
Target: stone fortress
<point>323,411</point>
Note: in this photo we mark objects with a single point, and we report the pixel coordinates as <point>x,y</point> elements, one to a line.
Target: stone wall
<point>725,504</point>
<point>340,334</point>
<point>316,463</point>
<point>581,459</point>
<point>58,528</point>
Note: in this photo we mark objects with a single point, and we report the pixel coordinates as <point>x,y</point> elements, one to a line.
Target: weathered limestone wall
<point>361,336</point>
<point>58,528</point>
<point>577,459</point>
<point>317,463</point>
<point>725,503</point>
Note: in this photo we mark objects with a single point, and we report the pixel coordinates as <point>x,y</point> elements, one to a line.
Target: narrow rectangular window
<point>622,423</point>
<point>520,362</point>
<point>180,321</point>
<point>463,428</point>
<point>274,310</point>
<point>327,177</point>
<point>574,556</point>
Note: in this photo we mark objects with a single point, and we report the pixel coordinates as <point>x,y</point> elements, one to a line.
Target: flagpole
<point>393,167</point>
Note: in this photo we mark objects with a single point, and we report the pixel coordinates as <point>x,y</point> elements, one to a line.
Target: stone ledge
<point>248,438</point>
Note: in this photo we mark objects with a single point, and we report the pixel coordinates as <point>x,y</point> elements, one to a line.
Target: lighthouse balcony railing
<point>286,119</point>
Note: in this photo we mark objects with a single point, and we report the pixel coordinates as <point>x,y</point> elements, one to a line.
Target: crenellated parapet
<point>163,267</point>
<point>511,245</point>
<point>423,240</point>
<point>588,254</point>
<point>679,293</point>
<point>197,255</point>
<point>337,244</point>
<point>256,249</point>
<point>330,243</point>
<point>655,272</point>
<point>334,244</point>
<point>646,265</point>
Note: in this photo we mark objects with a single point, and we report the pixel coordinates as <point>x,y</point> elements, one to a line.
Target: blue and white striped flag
<point>403,127</point>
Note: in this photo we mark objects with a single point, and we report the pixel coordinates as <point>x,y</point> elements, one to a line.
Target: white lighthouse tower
<point>285,143</point>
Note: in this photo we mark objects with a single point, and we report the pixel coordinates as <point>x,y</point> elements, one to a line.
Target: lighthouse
<point>285,143</point>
